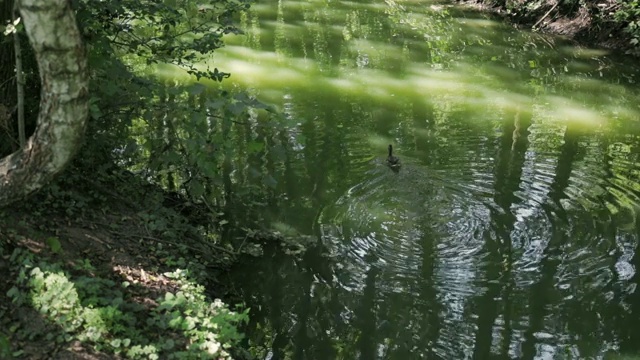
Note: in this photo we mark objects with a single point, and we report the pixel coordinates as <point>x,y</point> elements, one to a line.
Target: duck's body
<point>393,161</point>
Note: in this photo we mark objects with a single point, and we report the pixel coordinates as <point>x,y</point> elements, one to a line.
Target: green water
<point>511,230</point>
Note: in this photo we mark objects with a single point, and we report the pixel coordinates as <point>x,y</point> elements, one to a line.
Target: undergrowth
<point>628,14</point>
<point>105,268</point>
<point>183,324</point>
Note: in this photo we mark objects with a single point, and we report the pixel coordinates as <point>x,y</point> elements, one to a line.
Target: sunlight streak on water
<point>511,228</point>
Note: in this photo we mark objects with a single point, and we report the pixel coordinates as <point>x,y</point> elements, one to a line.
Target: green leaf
<point>54,245</point>
<point>14,292</point>
<point>110,88</point>
<point>169,344</point>
<point>94,111</point>
<point>214,105</point>
<point>196,89</point>
<point>5,347</point>
<point>237,108</point>
<point>254,147</point>
<point>241,97</point>
<point>173,157</point>
<point>196,188</point>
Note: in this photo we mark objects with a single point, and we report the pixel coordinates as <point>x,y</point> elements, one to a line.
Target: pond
<point>511,228</point>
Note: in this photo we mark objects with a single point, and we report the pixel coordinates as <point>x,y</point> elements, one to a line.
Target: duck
<point>393,161</point>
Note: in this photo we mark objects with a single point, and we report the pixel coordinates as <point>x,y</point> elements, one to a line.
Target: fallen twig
<point>547,14</point>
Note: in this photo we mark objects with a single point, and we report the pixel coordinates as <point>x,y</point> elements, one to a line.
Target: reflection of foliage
<point>191,138</point>
<point>187,138</point>
<point>174,135</point>
<point>162,32</point>
<point>435,30</point>
<point>126,36</point>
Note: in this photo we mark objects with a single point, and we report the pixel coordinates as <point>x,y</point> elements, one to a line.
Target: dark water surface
<point>511,230</point>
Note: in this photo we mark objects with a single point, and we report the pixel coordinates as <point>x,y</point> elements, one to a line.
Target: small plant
<point>184,325</point>
<point>629,14</point>
<point>54,244</point>
<point>211,327</point>
<point>5,347</point>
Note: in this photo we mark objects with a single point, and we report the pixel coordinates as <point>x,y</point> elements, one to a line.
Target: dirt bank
<point>590,23</point>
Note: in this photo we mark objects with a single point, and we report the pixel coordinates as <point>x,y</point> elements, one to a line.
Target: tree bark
<point>55,38</point>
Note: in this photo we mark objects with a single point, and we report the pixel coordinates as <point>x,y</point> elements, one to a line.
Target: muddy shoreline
<point>592,25</point>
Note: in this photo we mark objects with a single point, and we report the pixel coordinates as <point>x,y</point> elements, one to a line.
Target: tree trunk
<point>55,38</point>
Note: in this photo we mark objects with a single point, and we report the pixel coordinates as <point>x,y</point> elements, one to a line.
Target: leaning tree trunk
<point>55,38</point>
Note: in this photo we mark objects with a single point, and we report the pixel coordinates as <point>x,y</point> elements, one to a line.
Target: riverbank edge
<point>591,25</point>
<point>116,254</point>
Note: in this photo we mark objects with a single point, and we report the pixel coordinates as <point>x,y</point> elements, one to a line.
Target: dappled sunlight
<point>568,111</point>
<point>378,6</point>
<point>333,30</point>
<point>396,179</point>
<point>347,86</point>
<point>480,24</point>
<point>305,4</point>
<point>286,27</point>
<point>380,51</point>
<point>516,158</point>
<point>106,311</point>
<point>263,9</point>
<point>509,101</point>
<point>583,52</point>
<point>169,72</point>
<point>266,69</point>
<point>591,85</point>
<point>622,112</point>
<point>595,89</point>
<point>257,74</point>
<point>580,66</point>
<point>427,82</point>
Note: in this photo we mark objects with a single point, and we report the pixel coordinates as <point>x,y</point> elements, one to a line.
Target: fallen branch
<point>547,14</point>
